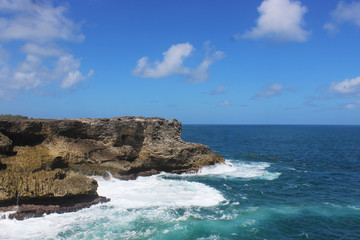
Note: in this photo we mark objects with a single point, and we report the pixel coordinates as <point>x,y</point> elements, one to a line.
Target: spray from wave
<point>238,169</point>
<point>146,200</point>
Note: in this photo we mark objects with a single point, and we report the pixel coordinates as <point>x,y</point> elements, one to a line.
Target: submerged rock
<point>48,159</point>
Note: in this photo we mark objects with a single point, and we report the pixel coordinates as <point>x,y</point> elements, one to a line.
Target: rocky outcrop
<point>31,210</point>
<point>25,186</point>
<point>48,159</point>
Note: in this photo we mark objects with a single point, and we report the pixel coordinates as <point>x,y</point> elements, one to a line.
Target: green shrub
<point>11,117</point>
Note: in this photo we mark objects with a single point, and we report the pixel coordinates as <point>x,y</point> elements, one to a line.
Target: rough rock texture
<point>30,210</point>
<point>46,159</point>
<point>24,186</point>
<point>5,144</point>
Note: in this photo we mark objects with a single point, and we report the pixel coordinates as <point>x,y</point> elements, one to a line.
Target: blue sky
<point>235,62</point>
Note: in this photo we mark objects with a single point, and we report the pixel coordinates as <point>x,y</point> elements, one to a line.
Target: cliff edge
<point>46,160</point>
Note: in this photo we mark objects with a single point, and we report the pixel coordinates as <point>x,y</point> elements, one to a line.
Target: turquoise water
<point>279,182</point>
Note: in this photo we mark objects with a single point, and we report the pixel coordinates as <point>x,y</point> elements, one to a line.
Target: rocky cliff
<point>41,160</point>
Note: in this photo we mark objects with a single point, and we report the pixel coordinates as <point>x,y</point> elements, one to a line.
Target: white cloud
<point>36,21</point>
<point>270,91</point>
<point>220,90</point>
<point>201,74</point>
<point>351,106</point>
<point>173,64</point>
<point>72,78</point>
<point>40,27</point>
<point>32,73</point>
<point>224,103</point>
<point>346,88</point>
<point>344,12</point>
<point>347,12</point>
<point>4,55</point>
<point>28,74</point>
<point>46,51</point>
<point>280,20</point>
<point>67,70</point>
<point>235,37</point>
<point>331,27</point>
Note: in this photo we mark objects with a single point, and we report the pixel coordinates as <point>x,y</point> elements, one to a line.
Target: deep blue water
<point>279,182</point>
<point>317,195</point>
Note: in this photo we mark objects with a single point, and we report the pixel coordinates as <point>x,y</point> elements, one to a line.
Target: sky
<point>198,61</point>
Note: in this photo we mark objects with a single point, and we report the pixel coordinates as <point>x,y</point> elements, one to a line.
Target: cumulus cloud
<point>346,88</point>
<point>272,91</point>
<point>220,90</point>
<point>40,27</point>
<point>344,12</point>
<point>173,64</point>
<point>279,20</point>
<point>28,74</point>
<point>42,50</point>
<point>32,73</point>
<point>37,21</point>
<point>67,70</point>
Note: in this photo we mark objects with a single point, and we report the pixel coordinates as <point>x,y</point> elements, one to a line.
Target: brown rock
<point>31,210</point>
<point>43,186</point>
<point>44,159</point>
<point>5,144</point>
<point>122,146</point>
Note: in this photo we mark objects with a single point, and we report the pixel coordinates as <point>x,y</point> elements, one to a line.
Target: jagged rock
<point>30,210</point>
<point>23,187</point>
<point>5,144</point>
<point>47,159</point>
<point>123,146</point>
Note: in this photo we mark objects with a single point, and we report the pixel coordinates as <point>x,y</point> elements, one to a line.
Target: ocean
<point>278,182</point>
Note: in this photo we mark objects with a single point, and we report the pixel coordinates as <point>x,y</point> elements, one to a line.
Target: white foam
<point>238,169</point>
<point>354,207</point>
<point>150,199</point>
<point>154,191</point>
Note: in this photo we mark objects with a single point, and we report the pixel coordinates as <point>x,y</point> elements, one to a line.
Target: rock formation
<point>46,160</point>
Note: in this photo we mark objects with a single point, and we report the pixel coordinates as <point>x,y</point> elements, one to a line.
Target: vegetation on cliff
<point>11,117</point>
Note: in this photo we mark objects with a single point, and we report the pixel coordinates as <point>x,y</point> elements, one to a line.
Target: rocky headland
<point>44,163</point>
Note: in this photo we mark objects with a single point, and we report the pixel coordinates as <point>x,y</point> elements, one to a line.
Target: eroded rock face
<point>23,187</point>
<point>46,158</point>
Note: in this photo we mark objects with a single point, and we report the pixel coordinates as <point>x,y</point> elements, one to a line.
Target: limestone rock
<point>47,159</point>
<point>124,146</point>
<point>44,186</point>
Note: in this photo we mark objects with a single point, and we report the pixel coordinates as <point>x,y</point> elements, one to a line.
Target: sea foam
<point>238,169</point>
<point>147,199</point>
<point>154,191</point>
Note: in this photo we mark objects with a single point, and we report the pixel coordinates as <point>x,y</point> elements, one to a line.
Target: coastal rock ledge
<point>45,162</point>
